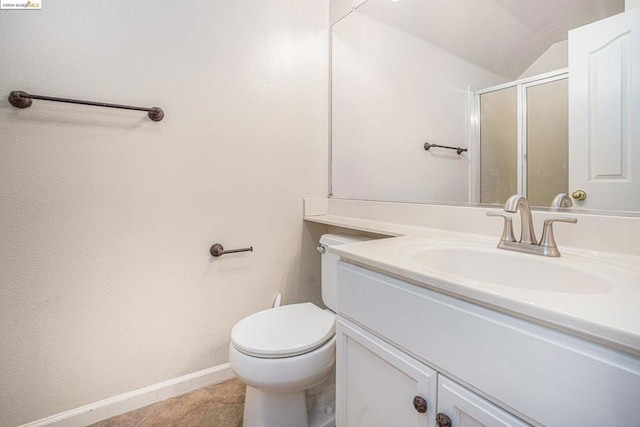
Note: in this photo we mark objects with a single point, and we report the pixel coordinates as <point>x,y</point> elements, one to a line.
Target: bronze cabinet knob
<point>442,420</point>
<point>420,404</point>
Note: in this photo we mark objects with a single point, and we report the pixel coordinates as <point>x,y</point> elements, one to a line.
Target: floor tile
<point>219,405</point>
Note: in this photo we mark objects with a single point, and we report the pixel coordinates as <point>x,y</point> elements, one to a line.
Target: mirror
<point>407,72</point>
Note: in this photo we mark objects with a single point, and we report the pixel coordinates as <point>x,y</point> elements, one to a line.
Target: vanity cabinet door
<point>378,385</point>
<point>464,408</point>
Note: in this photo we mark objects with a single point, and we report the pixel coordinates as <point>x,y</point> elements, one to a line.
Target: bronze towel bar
<point>458,149</point>
<point>21,99</point>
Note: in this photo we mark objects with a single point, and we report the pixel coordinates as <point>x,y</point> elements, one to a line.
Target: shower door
<point>522,140</point>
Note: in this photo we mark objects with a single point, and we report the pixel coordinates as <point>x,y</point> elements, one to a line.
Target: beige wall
<point>106,283</point>
<point>339,8</point>
<point>631,4</point>
<point>554,58</point>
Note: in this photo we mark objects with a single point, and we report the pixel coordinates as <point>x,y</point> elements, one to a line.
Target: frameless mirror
<point>409,72</point>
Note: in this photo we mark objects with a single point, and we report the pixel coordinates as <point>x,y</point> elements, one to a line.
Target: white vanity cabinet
<point>381,386</point>
<point>480,367</point>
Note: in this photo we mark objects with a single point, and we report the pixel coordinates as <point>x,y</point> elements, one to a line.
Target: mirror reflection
<point>415,71</point>
<point>535,162</point>
<point>498,154</point>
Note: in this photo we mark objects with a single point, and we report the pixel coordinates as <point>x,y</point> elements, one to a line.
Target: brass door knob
<point>579,195</point>
<point>442,420</point>
<point>420,404</point>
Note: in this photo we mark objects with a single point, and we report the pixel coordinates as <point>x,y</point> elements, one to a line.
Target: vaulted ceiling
<point>502,36</point>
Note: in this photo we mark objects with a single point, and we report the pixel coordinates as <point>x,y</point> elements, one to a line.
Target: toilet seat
<point>285,331</point>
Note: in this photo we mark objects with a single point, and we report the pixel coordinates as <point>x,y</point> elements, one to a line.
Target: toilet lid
<point>284,331</point>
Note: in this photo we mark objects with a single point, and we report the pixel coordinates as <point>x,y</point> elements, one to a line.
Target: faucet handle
<point>562,200</point>
<point>547,241</point>
<point>507,231</point>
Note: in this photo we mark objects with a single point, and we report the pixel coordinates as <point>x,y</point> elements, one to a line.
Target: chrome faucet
<point>516,203</point>
<point>528,242</point>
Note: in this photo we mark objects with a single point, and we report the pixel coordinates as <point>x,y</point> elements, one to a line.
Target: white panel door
<point>466,409</point>
<point>604,112</point>
<point>376,384</point>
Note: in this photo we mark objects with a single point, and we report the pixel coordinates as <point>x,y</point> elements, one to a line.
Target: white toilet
<point>282,352</point>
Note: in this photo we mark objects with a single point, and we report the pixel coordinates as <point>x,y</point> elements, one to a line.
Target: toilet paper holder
<point>218,250</point>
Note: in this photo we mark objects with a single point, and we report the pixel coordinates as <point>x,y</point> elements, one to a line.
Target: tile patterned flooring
<point>219,405</point>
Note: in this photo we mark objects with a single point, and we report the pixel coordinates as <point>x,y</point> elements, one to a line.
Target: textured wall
<point>106,218</point>
<point>631,4</point>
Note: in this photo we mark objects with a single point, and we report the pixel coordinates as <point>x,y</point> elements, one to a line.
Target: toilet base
<point>319,418</point>
<point>268,409</point>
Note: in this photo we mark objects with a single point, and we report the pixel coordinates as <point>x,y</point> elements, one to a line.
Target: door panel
<point>380,383</point>
<point>604,123</point>
<point>467,409</point>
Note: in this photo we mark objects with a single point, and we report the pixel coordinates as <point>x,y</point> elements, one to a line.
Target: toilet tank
<point>330,265</point>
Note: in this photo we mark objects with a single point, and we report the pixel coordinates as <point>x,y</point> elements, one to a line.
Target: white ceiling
<point>502,36</point>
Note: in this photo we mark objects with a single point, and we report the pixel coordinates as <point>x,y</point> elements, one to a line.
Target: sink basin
<point>485,265</point>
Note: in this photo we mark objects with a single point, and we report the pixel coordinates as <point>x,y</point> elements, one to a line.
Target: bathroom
<point>108,286</point>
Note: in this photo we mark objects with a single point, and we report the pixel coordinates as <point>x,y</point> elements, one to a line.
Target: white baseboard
<point>126,402</point>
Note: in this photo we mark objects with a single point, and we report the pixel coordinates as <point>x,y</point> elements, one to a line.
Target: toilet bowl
<point>282,352</point>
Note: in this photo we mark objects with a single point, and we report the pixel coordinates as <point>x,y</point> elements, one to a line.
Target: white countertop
<point>610,316</point>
